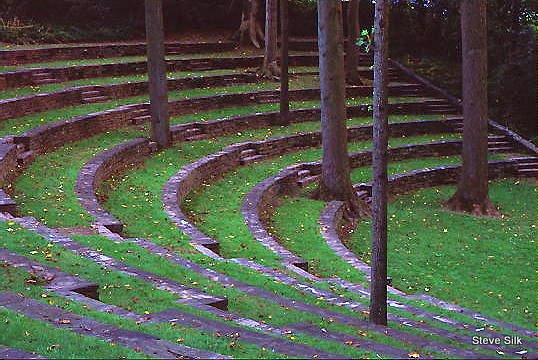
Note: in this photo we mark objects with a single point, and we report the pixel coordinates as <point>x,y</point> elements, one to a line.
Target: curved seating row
<point>17,56</point>
<point>79,95</point>
<point>194,174</point>
<point>258,203</point>
<point>282,346</point>
<point>51,75</point>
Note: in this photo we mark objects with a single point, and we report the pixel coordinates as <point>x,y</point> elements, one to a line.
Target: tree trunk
<point>158,89</point>
<point>284,57</point>
<point>472,193</point>
<point>378,285</point>
<point>352,50</point>
<point>250,27</point>
<point>270,66</point>
<point>335,182</point>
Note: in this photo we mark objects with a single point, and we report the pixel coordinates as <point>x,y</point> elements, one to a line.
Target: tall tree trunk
<point>472,193</point>
<point>158,89</point>
<point>378,285</point>
<point>352,49</point>
<point>250,27</point>
<point>335,182</point>
<point>284,57</point>
<point>270,66</point>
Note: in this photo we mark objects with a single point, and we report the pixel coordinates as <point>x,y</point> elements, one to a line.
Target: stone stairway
<point>43,77</point>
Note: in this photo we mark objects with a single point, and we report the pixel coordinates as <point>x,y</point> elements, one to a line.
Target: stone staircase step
<point>196,137</point>
<point>95,99</point>
<point>251,159</point>
<point>140,112</point>
<point>45,81</point>
<point>25,158</point>
<point>90,93</point>
<point>501,149</point>
<point>307,180</point>
<point>141,119</point>
<point>7,204</point>
<point>533,172</point>
<point>247,153</point>
<point>140,342</point>
<point>303,173</point>
<point>529,165</point>
<point>193,131</point>
<point>498,143</point>
<point>42,75</point>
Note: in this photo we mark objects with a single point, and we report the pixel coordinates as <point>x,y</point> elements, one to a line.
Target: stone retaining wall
<point>11,57</point>
<point>33,104</point>
<point>258,203</point>
<point>215,165</point>
<point>446,175</point>
<point>27,77</point>
<point>56,53</point>
<point>103,167</point>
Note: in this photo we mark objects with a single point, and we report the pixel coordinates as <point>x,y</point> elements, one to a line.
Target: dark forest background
<point>425,34</point>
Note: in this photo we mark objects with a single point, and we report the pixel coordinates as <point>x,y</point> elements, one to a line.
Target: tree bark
<point>158,89</point>
<point>352,49</point>
<point>378,284</point>
<point>250,27</point>
<point>472,193</point>
<point>335,182</point>
<point>284,57</point>
<point>270,66</point>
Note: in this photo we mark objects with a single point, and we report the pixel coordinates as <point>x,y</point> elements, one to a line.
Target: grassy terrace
<point>45,189</point>
<point>117,289</point>
<point>128,59</point>
<point>137,296</point>
<point>494,277</point>
<point>64,175</point>
<point>31,90</point>
<point>292,226</point>
<point>216,207</point>
<point>19,125</point>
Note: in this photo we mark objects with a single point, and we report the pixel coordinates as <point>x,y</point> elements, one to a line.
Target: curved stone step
<point>140,342</point>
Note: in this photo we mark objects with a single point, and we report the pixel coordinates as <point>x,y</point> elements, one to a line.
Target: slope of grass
<point>480,263</point>
<point>46,189</point>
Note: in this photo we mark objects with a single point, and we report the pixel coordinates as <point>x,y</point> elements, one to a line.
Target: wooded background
<point>425,34</point>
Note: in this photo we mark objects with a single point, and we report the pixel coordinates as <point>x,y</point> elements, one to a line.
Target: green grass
<point>138,296</point>
<point>480,263</point>
<point>27,334</point>
<point>19,125</point>
<point>46,189</point>
<point>216,207</point>
<point>40,89</point>
<point>128,59</point>
<point>115,288</point>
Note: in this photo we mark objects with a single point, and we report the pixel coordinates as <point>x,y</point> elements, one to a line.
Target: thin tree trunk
<point>284,57</point>
<point>378,285</point>
<point>335,182</point>
<point>352,49</point>
<point>250,27</point>
<point>472,194</point>
<point>158,90</point>
<point>270,66</point>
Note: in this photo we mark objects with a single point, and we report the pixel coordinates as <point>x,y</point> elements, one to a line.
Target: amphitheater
<point>211,248</point>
